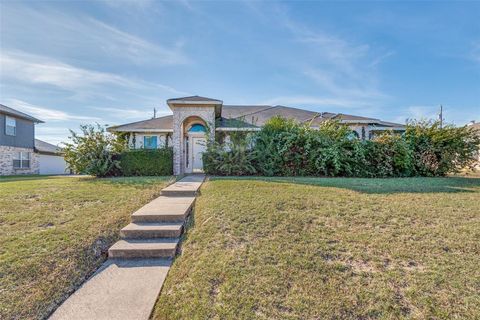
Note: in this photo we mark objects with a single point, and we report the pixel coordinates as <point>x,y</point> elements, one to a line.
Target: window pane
<point>10,131</point>
<point>25,163</point>
<point>17,156</point>
<point>16,163</point>
<point>11,121</point>
<point>10,124</point>
<point>25,155</point>
<point>197,128</point>
<point>150,142</point>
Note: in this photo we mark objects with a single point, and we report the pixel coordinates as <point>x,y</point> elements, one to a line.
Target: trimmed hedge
<point>147,162</point>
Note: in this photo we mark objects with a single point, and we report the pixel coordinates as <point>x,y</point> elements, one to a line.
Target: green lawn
<point>311,248</point>
<point>55,231</point>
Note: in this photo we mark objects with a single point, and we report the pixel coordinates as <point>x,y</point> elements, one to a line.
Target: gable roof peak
<point>195,98</point>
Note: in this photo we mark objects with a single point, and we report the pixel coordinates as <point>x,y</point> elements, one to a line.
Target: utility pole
<point>440,116</point>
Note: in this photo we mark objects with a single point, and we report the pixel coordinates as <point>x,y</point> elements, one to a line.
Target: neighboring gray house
<point>20,152</point>
<point>17,134</point>
<point>186,129</point>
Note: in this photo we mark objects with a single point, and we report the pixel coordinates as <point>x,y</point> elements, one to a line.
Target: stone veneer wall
<point>6,161</point>
<point>180,113</point>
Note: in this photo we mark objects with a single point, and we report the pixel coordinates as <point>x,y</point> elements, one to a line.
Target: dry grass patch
<point>54,232</point>
<point>311,248</point>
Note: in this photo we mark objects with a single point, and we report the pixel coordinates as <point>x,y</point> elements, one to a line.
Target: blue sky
<point>112,62</point>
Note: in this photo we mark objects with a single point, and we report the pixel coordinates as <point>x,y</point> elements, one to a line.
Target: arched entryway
<point>194,143</point>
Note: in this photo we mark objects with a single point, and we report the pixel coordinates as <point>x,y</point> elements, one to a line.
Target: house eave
<point>140,130</point>
<point>212,102</point>
<point>237,129</point>
<point>48,153</point>
<point>358,121</point>
<point>382,128</point>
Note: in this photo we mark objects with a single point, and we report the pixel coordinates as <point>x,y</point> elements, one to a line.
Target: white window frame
<point>21,156</point>
<point>9,125</point>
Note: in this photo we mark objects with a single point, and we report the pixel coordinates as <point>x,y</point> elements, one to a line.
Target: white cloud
<point>456,115</point>
<point>46,114</point>
<point>37,69</point>
<point>41,70</point>
<point>131,113</point>
<point>314,101</point>
<point>340,68</point>
<point>56,32</point>
<point>54,135</point>
<point>336,84</point>
<point>129,4</point>
<point>423,112</point>
<point>135,48</point>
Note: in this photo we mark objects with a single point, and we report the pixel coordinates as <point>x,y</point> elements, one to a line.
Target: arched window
<point>197,128</point>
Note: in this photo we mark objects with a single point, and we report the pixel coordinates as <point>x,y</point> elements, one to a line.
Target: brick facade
<point>6,161</point>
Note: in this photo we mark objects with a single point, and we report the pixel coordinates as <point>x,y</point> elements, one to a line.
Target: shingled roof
<point>250,116</point>
<point>476,126</point>
<point>47,148</point>
<point>18,114</point>
<point>162,124</point>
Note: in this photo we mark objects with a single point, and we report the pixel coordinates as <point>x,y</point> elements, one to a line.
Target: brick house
<point>20,152</point>
<point>17,142</point>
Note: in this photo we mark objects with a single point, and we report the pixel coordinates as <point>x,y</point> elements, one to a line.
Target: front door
<point>199,145</point>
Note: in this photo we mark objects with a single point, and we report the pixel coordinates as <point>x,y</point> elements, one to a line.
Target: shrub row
<point>99,153</point>
<point>146,162</point>
<point>286,148</point>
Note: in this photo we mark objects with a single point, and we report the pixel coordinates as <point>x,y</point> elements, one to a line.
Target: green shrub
<point>440,150</point>
<point>91,152</point>
<point>233,158</point>
<point>279,148</point>
<point>387,155</point>
<point>147,162</point>
<point>286,148</point>
<point>331,150</point>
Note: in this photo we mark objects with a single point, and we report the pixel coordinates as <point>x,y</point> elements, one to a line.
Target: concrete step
<point>165,209</point>
<point>142,230</point>
<point>149,248</point>
<point>186,187</point>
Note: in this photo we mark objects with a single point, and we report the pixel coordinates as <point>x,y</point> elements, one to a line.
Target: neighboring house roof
<point>389,124</point>
<point>251,116</point>
<point>47,148</point>
<point>18,114</point>
<point>476,125</point>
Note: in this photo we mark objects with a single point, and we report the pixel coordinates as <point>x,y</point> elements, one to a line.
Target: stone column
<point>177,143</point>
<point>180,113</point>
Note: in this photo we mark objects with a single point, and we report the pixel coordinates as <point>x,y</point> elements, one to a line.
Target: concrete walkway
<point>127,285</point>
<point>188,186</point>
